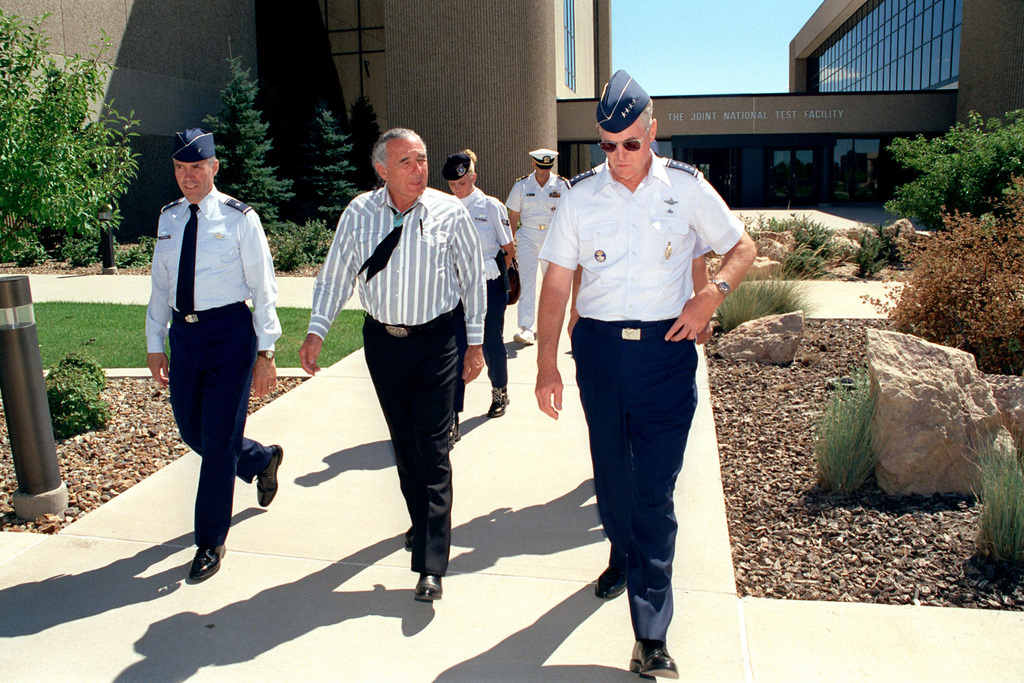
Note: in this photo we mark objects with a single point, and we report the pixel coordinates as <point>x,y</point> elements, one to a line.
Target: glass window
<point>955,69</point>
<point>926,30</point>
<point>947,57</point>
<point>915,70</point>
<point>936,61</point>
<point>926,65</point>
<point>937,20</point>
<point>958,9</point>
<point>899,73</point>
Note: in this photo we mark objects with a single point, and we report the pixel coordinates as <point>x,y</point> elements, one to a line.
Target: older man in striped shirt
<point>413,253</point>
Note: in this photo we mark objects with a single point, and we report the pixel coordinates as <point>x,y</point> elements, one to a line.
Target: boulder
<point>934,412</point>
<point>844,247</point>
<point>1008,392</point>
<point>772,340</point>
<point>764,269</point>
<point>772,249</point>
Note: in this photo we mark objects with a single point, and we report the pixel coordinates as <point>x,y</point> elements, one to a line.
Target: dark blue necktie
<point>185,301</point>
<point>382,254</point>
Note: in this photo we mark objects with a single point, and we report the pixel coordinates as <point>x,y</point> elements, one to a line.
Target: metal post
<point>40,489</point>
<point>107,241</point>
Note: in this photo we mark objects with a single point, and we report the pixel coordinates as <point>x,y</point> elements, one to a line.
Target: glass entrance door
<point>719,168</point>
<point>791,177</point>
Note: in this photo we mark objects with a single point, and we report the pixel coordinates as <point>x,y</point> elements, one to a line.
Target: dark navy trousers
<point>415,378</point>
<point>639,397</point>
<point>210,379</point>
<point>494,344</point>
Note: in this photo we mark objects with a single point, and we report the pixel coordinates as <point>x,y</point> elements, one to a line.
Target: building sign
<point>754,115</point>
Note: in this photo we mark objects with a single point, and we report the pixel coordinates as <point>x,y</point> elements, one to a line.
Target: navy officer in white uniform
<point>211,256</point>
<point>632,226</point>
<point>491,220</point>
<point>531,206</point>
<point>413,254</point>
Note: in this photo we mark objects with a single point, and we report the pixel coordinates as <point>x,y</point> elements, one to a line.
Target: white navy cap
<point>545,158</point>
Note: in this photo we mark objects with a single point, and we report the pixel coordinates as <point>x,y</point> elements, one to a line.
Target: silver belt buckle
<point>396,331</point>
<point>191,318</point>
<point>631,333</point>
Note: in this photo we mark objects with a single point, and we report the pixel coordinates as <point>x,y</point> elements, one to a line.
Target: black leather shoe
<point>453,431</point>
<point>651,658</point>
<point>428,588</point>
<point>266,481</point>
<point>610,584</point>
<point>499,401</point>
<point>206,563</point>
<point>408,540</point>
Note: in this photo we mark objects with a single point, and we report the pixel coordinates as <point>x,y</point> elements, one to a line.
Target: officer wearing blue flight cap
<point>211,256</point>
<point>633,227</point>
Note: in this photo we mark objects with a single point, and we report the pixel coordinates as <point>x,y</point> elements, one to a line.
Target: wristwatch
<point>269,355</point>
<point>722,285</point>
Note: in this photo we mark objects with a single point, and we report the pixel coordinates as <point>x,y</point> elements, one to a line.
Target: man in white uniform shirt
<point>491,220</point>
<point>211,255</point>
<point>531,205</point>
<point>414,254</point>
<point>634,226</point>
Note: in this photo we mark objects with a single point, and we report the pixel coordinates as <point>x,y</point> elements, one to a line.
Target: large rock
<point>773,339</point>
<point>1008,392</point>
<point>935,411</point>
<point>764,268</point>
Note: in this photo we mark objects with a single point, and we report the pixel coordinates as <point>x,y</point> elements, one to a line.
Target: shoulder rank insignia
<point>237,205</point>
<point>522,177</point>
<point>177,201</point>
<point>577,178</point>
<point>680,166</point>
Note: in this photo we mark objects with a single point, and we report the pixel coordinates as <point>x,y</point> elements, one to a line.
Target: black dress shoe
<point>408,540</point>
<point>206,563</point>
<point>610,584</point>
<point>266,481</point>
<point>499,402</point>
<point>453,431</point>
<point>651,658</point>
<point>428,588</point>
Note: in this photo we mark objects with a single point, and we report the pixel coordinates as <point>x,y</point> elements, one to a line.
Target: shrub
<point>878,248</point>
<point>759,298</point>
<point>1001,532</point>
<point>73,393</point>
<point>965,290</point>
<point>843,449</point>
<point>804,263</point>
<point>80,251</point>
<point>295,246</point>
<point>30,253</point>
<point>137,255</point>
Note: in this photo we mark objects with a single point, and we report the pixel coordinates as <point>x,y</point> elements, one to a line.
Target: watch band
<point>269,355</point>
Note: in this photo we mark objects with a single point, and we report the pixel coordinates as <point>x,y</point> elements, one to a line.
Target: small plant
<point>804,263</point>
<point>759,298</point>
<point>1001,532</point>
<point>73,389</point>
<point>80,251</point>
<point>878,248</point>
<point>137,255</point>
<point>843,448</point>
<point>295,246</point>
<point>31,253</point>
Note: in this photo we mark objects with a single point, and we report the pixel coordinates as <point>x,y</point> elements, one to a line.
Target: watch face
<point>267,354</point>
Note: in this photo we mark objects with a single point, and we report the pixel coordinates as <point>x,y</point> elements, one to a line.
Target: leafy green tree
<point>328,169</point>
<point>363,127</point>
<point>242,146</point>
<point>59,163</point>
<point>967,170</point>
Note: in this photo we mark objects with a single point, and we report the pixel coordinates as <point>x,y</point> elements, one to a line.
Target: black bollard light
<point>107,241</point>
<point>40,489</point>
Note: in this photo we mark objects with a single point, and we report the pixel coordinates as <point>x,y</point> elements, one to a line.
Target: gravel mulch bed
<point>792,539</point>
<point>97,466</point>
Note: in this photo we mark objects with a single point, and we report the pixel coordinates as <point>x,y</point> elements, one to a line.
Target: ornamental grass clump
<point>1001,536</point>
<point>759,298</point>
<point>844,450</point>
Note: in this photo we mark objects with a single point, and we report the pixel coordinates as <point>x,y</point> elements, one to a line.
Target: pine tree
<point>242,147</point>
<point>327,169</point>
<point>364,133</point>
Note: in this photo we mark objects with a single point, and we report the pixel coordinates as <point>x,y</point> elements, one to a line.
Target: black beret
<point>455,166</point>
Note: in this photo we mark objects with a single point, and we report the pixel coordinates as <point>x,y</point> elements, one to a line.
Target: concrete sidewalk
<point>318,586</point>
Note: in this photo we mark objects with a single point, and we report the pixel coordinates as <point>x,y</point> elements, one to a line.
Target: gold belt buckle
<point>542,227</point>
<point>631,333</point>
<point>191,318</point>
<point>396,331</point>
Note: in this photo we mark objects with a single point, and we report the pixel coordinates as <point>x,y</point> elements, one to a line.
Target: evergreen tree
<point>364,131</point>
<point>327,169</point>
<point>242,147</point>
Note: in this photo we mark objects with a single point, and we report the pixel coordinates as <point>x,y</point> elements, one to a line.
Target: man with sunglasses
<point>633,226</point>
<point>531,205</point>
<point>414,254</point>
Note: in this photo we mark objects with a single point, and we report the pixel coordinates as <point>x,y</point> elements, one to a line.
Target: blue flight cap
<point>621,103</point>
<point>195,144</point>
<point>455,166</point>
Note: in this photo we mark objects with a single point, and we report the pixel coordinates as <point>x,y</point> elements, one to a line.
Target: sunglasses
<point>628,145</point>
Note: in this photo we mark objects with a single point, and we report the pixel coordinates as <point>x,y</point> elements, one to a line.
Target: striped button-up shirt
<point>437,262</point>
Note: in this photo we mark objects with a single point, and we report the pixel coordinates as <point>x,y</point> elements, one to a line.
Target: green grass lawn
<point>114,334</point>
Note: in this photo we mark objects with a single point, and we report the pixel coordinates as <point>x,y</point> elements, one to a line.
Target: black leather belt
<point>633,330</point>
<point>401,331</point>
<point>207,315</point>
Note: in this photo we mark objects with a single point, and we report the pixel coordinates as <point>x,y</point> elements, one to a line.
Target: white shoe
<point>525,337</point>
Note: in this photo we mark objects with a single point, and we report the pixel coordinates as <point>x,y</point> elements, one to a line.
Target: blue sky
<point>707,47</point>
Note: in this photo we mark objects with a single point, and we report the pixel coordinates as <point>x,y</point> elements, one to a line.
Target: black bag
<point>514,286</point>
